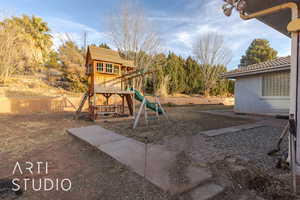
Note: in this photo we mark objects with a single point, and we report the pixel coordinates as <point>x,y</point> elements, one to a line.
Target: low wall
<point>229,101</point>
<point>27,105</point>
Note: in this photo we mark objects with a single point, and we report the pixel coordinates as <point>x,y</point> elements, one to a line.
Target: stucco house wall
<point>249,99</point>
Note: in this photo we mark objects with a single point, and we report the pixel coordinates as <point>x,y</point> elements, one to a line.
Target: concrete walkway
<point>160,161</point>
<point>232,129</point>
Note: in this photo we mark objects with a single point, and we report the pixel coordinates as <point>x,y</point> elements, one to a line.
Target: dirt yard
<point>42,137</point>
<point>94,175</point>
<point>183,121</point>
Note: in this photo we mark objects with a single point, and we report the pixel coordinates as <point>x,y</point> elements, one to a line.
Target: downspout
<point>293,151</point>
<point>290,5</point>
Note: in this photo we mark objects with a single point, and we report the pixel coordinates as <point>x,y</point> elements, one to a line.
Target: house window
<point>99,67</point>
<point>116,69</point>
<point>109,68</point>
<point>276,84</point>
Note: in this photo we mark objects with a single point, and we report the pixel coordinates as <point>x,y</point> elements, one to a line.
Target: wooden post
<point>123,104</point>
<point>94,114</point>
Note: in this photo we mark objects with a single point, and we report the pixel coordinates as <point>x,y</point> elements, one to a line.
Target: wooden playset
<point>106,72</point>
<point>110,75</point>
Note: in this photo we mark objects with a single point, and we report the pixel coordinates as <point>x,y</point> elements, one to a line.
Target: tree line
<point>174,74</point>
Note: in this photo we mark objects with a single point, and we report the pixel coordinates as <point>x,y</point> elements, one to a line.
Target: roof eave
<point>249,73</point>
<point>104,60</point>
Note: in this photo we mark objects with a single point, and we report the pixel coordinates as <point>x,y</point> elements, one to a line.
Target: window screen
<point>100,67</point>
<point>276,84</point>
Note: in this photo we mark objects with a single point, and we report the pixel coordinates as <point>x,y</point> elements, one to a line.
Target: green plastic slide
<point>138,96</point>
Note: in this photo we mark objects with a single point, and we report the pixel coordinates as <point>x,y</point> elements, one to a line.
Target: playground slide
<point>138,96</point>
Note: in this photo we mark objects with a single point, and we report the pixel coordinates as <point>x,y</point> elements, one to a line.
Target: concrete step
<point>206,191</point>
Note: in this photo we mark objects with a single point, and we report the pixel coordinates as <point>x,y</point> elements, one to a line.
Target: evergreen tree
<point>104,45</point>
<point>155,83</point>
<point>53,61</point>
<point>258,51</point>
<point>175,70</point>
<point>192,76</point>
<point>221,86</point>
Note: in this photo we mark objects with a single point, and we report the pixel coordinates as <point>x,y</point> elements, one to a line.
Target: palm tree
<point>37,31</point>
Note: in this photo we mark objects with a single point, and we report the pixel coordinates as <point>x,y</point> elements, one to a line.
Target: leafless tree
<point>133,35</point>
<point>210,49</point>
<point>212,54</point>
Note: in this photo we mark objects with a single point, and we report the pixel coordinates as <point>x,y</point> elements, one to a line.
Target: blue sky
<point>177,22</point>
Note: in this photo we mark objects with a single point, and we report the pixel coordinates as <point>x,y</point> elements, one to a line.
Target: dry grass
<point>28,86</point>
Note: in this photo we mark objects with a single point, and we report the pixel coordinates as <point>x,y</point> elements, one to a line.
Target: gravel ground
<point>252,144</point>
<point>254,173</point>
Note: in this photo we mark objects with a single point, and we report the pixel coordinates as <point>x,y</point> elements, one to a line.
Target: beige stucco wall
<point>27,105</point>
<point>196,100</point>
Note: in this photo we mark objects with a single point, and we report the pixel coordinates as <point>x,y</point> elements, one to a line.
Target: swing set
<point>109,75</point>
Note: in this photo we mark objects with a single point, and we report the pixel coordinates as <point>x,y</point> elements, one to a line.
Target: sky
<point>177,22</point>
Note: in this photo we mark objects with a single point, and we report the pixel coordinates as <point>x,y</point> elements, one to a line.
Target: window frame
<point>277,88</point>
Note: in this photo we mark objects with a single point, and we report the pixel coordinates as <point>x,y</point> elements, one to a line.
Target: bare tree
<point>210,49</point>
<point>212,55</point>
<point>133,35</point>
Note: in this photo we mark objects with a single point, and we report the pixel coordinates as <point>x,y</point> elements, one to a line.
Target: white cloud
<point>169,19</point>
<point>63,28</point>
<point>207,16</point>
<point>185,38</point>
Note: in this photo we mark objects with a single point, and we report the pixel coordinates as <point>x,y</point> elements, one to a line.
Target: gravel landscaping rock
<point>252,144</point>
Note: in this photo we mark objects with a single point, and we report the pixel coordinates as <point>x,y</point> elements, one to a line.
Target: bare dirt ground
<point>94,175</point>
<point>183,121</point>
<point>43,138</point>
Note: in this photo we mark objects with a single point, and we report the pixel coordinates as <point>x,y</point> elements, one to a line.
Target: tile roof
<point>103,54</point>
<point>278,64</point>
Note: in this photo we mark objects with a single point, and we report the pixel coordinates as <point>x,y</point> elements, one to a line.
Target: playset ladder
<point>83,100</point>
